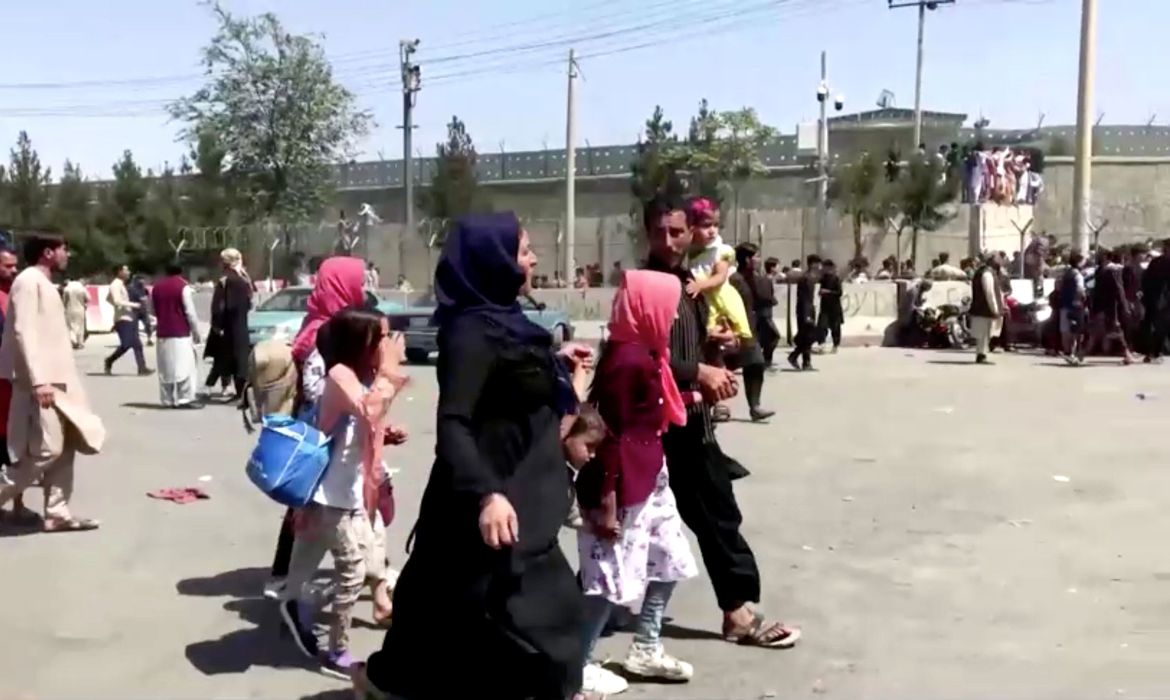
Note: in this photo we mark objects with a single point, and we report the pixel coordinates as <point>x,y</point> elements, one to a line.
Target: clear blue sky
<point>1009,59</point>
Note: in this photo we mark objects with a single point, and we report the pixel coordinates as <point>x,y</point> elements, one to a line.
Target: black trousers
<point>806,335</point>
<point>128,340</point>
<point>769,336</point>
<point>829,325</point>
<point>701,483</point>
<point>284,546</point>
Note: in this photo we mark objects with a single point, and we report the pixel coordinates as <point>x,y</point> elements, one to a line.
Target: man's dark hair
<point>794,263</point>
<point>658,207</point>
<point>943,258</point>
<point>744,252</point>
<point>1076,259</point>
<point>173,269</point>
<point>814,259</point>
<point>771,264</point>
<point>829,263</point>
<point>117,267</point>
<point>35,247</point>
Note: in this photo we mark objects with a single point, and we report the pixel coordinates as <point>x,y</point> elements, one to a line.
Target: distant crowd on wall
<point>1001,175</point>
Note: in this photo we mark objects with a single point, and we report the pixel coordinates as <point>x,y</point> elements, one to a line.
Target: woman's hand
<point>693,289</point>
<point>497,522</point>
<point>579,355</point>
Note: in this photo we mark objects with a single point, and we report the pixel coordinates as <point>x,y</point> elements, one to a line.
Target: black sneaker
<point>108,367</point>
<point>294,616</point>
<point>759,414</point>
<point>793,361</point>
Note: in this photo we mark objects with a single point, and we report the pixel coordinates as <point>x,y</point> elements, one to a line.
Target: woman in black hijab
<point>486,586</point>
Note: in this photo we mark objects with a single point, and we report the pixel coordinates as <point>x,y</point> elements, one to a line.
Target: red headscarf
<point>340,284</point>
<point>644,309</point>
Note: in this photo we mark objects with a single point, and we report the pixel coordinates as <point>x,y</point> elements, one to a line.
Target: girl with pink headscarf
<point>632,547</point>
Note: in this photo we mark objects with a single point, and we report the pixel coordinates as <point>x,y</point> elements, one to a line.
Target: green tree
<point>27,187</point>
<point>922,195</point>
<point>701,138</point>
<point>728,154</point>
<point>657,168</point>
<point>282,118</point>
<point>163,215</point>
<point>856,190</point>
<point>71,213</point>
<point>208,188</point>
<point>454,189</point>
<point>121,212</point>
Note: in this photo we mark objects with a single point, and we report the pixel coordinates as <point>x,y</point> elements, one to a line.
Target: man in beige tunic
<point>50,420</point>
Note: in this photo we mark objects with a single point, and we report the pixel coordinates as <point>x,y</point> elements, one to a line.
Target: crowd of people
<point>522,441</point>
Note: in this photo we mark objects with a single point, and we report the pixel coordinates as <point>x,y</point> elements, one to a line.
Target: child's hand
<point>694,288</point>
<point>604,521</point>
<point>395,435</point>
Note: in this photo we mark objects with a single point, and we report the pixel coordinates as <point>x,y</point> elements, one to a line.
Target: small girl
<point>632,546</point>
<point>583,433</point>
<point>712,263</point>
<point>344,515</point>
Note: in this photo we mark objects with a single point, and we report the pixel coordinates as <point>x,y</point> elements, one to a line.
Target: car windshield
<point>286,300</point>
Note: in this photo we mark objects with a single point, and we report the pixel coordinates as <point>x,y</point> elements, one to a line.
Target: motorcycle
<point>945,327</point>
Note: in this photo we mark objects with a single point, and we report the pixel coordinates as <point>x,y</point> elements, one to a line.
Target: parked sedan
<point>282,313</point>
<point>417,324</point>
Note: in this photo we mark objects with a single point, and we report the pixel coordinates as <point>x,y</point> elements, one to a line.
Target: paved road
<point>903,507</point>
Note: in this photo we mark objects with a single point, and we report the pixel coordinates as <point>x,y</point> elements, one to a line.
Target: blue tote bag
<point>289,459</point>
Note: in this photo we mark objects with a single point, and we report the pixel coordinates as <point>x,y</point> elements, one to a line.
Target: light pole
<point>923,6</point>
<point>823,150</point>
<point>1082,173</point>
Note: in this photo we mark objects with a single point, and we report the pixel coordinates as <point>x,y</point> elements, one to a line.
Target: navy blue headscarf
<point>478,274</point>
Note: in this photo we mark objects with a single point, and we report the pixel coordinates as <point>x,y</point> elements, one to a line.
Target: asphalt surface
<point>939,530</point>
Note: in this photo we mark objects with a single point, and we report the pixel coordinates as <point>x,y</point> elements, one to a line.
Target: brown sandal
<point>764,634</point>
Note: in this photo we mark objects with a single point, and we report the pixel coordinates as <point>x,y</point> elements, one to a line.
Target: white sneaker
<point>603,682</point>
<point>273,588</point>
<point>654,663</point>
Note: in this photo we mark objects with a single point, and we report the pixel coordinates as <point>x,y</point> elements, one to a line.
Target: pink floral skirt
<point>651,547</point>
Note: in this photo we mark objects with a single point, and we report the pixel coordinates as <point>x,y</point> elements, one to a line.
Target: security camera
<point>822,92</point>
<point>839,103</point>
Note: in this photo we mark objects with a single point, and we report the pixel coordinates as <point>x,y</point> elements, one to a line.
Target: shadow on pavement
<point>673,631</point>
<point>970,362</point>
<point>346,694</point>
<point>239,583</point>
<point>259,645</point>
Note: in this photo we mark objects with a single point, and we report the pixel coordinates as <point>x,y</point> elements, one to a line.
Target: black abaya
<point>512,618</point>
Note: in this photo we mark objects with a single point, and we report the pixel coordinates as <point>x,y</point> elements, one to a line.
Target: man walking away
<point>806,316</point>
<point>20,515</point>
<point>139,295</point>
<point>1072,310</point>
<point>76,299</point>
<point>178,332</point>
<point>749,358</point>
<point>986,306</point>
<point>49,419</point>
<point>765,288</point>
<point>1154,285</point>
<point>125,322</point>
<point>832,315</point>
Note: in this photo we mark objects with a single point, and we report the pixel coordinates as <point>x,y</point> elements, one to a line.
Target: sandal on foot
<point>764,634</point>
<point>70,525</point>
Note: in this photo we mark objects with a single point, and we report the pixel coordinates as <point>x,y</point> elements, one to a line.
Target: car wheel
<point>560,335</point>
<point>417,357</point>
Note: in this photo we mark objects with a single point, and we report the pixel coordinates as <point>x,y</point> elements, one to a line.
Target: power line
<point>601,44</point>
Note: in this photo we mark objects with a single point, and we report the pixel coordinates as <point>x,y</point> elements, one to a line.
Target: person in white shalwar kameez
<point>178,333</point>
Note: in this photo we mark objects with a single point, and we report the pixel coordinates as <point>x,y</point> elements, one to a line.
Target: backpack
<point>271,383</point>
<point>290,459</point>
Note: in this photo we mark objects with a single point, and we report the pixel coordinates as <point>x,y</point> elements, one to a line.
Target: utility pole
<point>923,6</point>
<point>411,80</point>
<point>1083,174</point>
<point>823,152</point>
<point>571,171</point>
<point>823,158</point>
